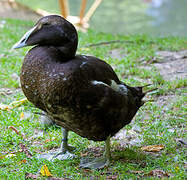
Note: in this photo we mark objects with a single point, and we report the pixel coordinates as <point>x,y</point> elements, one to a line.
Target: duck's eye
<point>45,24</point>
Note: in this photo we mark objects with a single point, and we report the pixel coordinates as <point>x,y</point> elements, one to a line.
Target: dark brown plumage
<point>80,93</point>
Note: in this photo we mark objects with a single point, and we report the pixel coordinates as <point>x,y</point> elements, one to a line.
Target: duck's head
<point>54,31</point>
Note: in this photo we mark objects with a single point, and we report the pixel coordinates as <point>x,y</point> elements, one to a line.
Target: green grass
<point>160,124</point>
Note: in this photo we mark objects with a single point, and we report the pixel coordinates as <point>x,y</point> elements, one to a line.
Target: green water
<point>129,16</point>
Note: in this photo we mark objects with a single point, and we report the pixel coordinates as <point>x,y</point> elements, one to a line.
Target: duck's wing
<point>104,109</point>
<point>103,96</point>
<point>95,69</point>
<point>88,80</point>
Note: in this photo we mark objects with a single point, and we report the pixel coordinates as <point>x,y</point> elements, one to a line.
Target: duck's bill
<point>22,42</point>
<point>151,90</point>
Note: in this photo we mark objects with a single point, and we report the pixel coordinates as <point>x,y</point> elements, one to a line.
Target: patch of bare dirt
<point>164,101</point>
<point>116,54</point>
<point>129,137</point>
<point>172,65</point>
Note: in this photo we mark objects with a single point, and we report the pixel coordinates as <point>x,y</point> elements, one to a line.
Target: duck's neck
<point>68,50</point>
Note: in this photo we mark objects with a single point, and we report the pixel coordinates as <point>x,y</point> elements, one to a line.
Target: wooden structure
<point>81,21</point>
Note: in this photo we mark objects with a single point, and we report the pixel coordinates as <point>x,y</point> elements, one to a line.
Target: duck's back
<point>77,93</point>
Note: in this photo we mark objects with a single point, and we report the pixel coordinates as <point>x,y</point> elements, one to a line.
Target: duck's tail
<point>138,93</point>
<point>145,92</point>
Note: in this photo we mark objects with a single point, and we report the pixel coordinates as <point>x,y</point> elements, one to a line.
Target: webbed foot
<point>51,156</point>
<point>63,153</point>
<point>97,163</point>
<point>63,156</point>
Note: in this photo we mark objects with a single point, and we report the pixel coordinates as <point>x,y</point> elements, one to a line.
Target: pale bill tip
<point>22,42</point>
<point>18,45</point>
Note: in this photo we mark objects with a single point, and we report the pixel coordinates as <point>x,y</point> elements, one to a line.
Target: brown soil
<point>172,65</point>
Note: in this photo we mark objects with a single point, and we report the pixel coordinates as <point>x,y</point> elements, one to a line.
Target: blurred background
<point>153,17</point>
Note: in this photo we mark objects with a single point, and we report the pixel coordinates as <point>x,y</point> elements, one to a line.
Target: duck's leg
<point>62,153</point>
<point>98,163</point>
<point>64,145</point>
<point>65,149</point>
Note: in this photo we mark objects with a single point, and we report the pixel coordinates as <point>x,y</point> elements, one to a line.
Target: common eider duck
<point>79,93</point>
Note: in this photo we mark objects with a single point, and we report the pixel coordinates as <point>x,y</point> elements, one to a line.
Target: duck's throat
<point>68,50</point>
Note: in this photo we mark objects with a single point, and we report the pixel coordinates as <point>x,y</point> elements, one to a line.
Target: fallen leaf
<point>153,148</point>
<point>23,161</point>
<point>158,173</point>
<point>47,140</point>
<point>45,171</point>
<point>32,176</point>
<point>22,115</point>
